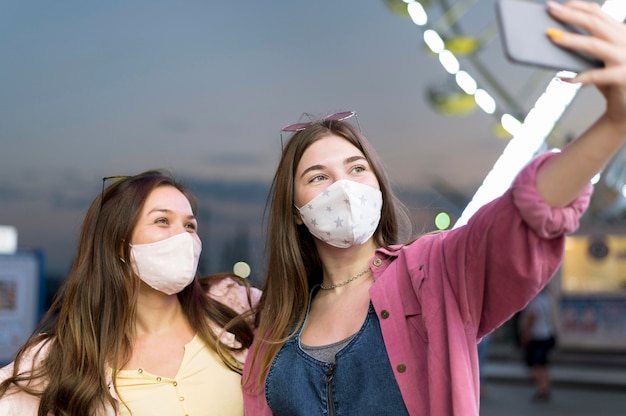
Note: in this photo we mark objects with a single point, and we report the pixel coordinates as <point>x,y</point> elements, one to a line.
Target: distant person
<point>537,336</point>
<point>354,320</point>
<point>132,330</point>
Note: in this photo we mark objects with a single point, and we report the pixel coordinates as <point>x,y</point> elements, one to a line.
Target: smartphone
<point>523,25</point>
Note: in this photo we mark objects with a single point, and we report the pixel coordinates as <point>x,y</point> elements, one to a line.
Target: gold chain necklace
<point>345,282</point>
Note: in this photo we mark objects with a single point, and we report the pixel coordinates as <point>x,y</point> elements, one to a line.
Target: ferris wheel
<point>526,103</point>
<point>463,36</point>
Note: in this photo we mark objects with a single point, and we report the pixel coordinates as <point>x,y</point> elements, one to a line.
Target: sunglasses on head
<point>296,127</point>
<point>109,179</point>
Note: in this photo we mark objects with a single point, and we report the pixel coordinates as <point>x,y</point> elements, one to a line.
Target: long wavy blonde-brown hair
<point>90,323</point>
<point>293,262</point>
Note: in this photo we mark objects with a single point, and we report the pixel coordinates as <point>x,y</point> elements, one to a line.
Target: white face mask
<point>345,214</point>
<point>168,265</point>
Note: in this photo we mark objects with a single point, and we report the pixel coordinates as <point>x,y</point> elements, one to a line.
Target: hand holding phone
<point>523,27</point>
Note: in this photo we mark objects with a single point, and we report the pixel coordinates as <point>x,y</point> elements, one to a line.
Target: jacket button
<point>384,314</point>
<point>377,262</point>
<point>401,368</point>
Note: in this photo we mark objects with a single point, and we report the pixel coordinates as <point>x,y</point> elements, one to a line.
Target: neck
<point>340,264</point>
<point>346,281</point>
<point>157,312</point>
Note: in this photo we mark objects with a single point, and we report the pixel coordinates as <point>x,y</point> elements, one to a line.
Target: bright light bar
<point>523,146</point>
<point>466,82</point>
<point>449,61</point>
<point>8,239</point>
<point>417,13</point>
<point>485,101</point>
<point>433,41</point>
<point>510,123</point>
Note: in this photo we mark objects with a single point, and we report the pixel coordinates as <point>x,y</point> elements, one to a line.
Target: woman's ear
<point>296,216</point>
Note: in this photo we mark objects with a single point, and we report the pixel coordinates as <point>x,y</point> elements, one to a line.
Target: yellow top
<point>203,386</point>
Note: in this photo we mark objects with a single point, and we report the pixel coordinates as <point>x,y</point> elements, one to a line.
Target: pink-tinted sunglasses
<point>296,127</point>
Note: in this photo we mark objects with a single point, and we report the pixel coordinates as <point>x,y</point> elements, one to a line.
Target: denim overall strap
<point>360,382</point>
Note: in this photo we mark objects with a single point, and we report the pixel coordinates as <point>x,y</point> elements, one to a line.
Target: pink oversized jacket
<point>226,291</point>
<point>436,297</point>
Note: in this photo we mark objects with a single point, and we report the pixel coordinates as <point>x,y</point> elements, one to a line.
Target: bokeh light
<point>242,269</point>
<point>442,221</point>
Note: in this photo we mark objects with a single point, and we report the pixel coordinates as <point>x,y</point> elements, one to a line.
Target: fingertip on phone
<point>554,33</point>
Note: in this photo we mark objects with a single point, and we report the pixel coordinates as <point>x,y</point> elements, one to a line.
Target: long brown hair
<point>294,265</point>
<point>91,321</point>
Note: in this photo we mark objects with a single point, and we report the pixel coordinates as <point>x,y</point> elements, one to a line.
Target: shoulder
<point>30,360</point>
<point>16,402</point>
<point>418,242</point>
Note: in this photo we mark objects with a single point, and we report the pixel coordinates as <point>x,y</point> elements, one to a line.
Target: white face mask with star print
<point>168,265</point>
<point>345,214</point>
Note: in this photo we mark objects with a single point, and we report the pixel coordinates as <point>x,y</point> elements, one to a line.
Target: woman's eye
<point>359,169</point>
<point>191,226</point>
<point>317,178</point>
<point>161,221</point>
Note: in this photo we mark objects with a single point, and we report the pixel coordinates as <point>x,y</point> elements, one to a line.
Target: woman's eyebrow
<point>310,168</point>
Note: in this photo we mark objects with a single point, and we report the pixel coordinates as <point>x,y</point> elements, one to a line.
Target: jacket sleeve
<point>254,402</point>
<point>508,251</point>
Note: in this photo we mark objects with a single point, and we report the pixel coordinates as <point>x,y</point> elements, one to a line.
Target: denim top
<point>359,382</point>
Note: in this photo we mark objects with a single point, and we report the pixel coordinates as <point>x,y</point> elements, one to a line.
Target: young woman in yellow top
<point>132,330</point>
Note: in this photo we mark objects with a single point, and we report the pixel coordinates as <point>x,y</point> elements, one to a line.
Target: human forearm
<point>563,177</point>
